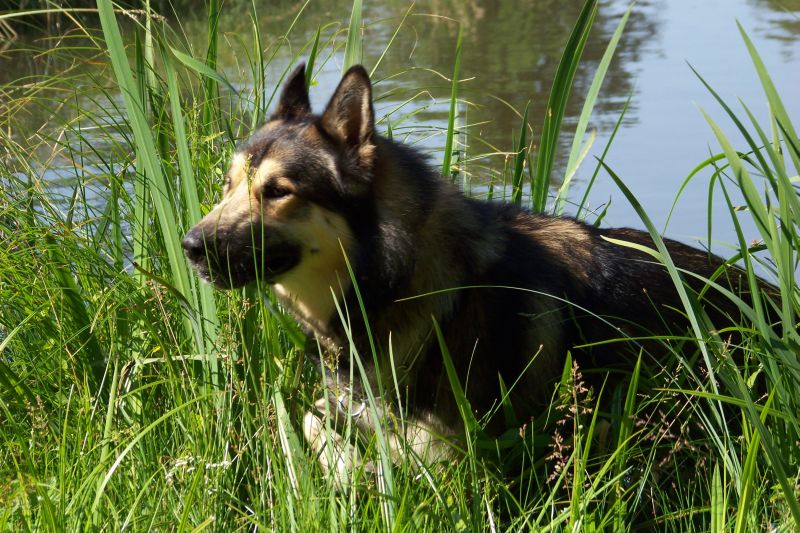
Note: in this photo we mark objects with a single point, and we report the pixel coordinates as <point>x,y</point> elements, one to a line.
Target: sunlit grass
<point>132,396</point>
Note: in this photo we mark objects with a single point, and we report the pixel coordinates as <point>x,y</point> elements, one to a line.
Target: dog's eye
<point>271,190</point>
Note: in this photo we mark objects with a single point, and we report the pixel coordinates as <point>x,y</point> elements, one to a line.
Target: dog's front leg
<point>335,454</point>
<point>324,425</point>
<point>415,440</point>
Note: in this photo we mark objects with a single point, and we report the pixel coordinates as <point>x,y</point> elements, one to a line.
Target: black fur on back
<point>538,284</point>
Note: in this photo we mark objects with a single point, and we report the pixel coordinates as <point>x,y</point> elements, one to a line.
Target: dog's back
<point>522,289</point>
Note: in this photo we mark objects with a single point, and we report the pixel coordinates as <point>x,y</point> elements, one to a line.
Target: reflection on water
<point>779,20</point>
<point>509,57</point>
<point>510,54</point>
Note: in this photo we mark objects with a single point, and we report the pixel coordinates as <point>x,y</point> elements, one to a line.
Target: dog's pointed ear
<point>349,117</point>
<point>294,102</point>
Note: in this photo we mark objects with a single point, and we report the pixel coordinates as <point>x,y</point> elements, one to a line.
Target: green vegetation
<point>132,396</point>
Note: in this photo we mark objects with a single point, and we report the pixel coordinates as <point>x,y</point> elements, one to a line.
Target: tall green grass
<point>133,397</point>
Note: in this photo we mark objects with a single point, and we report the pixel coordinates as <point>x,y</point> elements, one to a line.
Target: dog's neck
<point>312,302</point>
<point>311,289</point>
<point>413,257</point>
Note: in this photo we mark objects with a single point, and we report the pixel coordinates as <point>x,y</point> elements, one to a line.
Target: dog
<point>337,219</point>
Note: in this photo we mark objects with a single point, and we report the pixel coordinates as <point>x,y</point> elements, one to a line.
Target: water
<point>510,54</point>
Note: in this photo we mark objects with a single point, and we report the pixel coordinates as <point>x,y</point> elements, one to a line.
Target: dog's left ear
<point>349,117</point>
<point>294,101</point>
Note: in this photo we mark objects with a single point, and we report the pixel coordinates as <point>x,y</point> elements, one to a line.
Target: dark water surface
<point>510,53</point>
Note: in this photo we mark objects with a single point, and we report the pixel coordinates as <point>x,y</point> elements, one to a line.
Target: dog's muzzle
<point>229,260</point>
<point>195,245</point>
<point>202,251</point>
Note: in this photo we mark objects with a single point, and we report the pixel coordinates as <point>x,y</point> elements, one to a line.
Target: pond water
<point>510,53</point>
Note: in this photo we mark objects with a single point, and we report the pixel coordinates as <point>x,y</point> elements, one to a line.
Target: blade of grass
<point>693,313</point>
<point>557,103</point>
<point>210,88</point>
<point>471,426</point>
<point>625,431</point>
<point>136,439</point>
<point>759,212</point>
<point>8,379</point>
<point>149,54</point>
<point>586,112</point>
<point>743,509</point>
<point>451,117</point>
<point>353,48</point>
<point>386,475</point>
<point>312,58</point>
<point>664,257</point>
<point>205,71</point>
<point>717,506</point>
<point>585,199</point>
<point>90,360</point>
<point>258,67</point>
<point>147,155</point>
<point>470,422</point>
<point>391,40</point>
<point>191,202</point>
<point>519,160</point>
<point>785,240</point>
<point>775,102</point>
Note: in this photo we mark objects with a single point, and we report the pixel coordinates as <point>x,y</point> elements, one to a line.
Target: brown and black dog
<point>512,291</point>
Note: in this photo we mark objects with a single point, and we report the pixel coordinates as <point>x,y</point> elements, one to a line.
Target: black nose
<point>194,243</point>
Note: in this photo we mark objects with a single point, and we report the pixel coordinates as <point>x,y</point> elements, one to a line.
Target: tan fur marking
<point>268,168</point>
<point>239,204</point>
<point>335,455</point>
<point>425,437</point>
<point>238,171</point>
<point>282,209</point>
<point>241,175</point>
<point>307,287</point>
<point>567,240</point>
<point>235,208</point>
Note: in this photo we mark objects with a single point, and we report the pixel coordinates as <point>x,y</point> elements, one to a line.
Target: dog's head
<point>290,190</point>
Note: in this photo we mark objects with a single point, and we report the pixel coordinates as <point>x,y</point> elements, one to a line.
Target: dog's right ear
<point>349,117</point>
<point>294,102</point>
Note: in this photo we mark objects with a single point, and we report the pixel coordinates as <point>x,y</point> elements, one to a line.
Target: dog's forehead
<point>296,146</point>
<point>275,139</point>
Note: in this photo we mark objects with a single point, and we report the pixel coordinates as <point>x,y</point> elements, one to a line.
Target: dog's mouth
<point>274,262</point>
<point>280,259</point>
<point>229,265</point>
